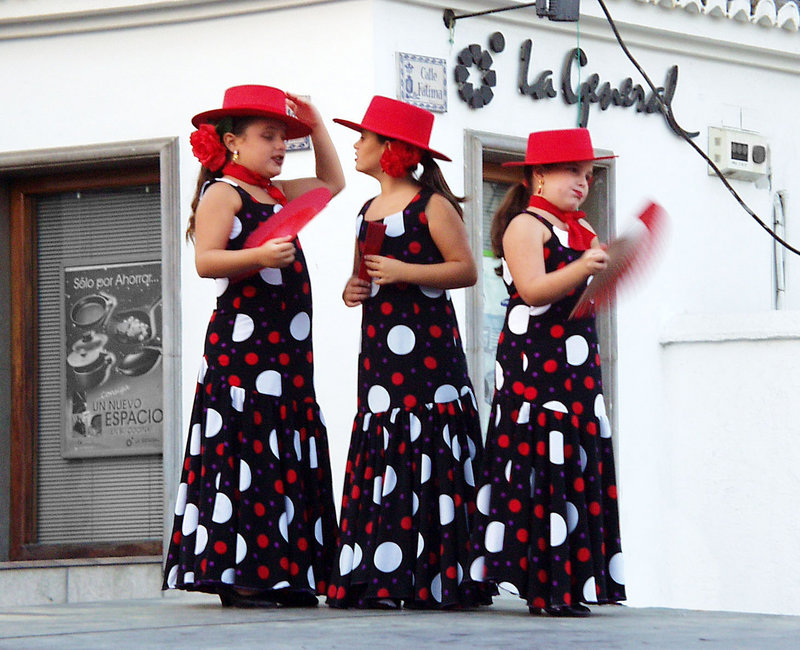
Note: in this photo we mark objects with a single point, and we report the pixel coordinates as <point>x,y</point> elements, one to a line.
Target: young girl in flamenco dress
<point>547,526</point>
<point>254,518</point>
<point>409,482</point>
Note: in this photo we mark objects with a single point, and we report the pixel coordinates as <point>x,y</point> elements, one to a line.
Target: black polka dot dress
<point>547,526</point>
<point>409,490</point>
<point>255,505</point>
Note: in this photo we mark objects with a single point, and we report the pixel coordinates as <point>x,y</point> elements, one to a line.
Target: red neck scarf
<point>241,173</point>
<point>580,237</point>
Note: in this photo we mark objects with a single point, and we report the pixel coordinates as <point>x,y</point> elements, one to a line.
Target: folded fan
<point>371,245</point>
<point>626,254</point>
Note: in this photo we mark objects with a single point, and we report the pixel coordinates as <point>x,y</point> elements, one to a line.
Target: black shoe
<point>229,597</point>
<point>562,611</point>
<point>295,598</point>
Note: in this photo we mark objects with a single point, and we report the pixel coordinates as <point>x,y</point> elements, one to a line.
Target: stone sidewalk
<point>197,621</point>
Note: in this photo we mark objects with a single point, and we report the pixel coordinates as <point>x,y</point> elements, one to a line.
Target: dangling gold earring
<point>540,187</point>
<point>235,156</point>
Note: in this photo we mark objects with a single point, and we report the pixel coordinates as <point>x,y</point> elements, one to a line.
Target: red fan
<point>626,254</point>
<point>288,221</point>
<point>371,245</point>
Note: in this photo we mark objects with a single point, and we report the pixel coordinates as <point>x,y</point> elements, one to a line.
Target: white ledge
<point>720,328</point>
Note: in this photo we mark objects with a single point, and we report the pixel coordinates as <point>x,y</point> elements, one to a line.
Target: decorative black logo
<point>478,95</point>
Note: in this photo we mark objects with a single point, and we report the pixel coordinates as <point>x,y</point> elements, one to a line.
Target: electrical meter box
<point>741,155</point>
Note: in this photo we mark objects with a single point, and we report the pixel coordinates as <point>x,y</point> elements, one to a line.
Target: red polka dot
<point>594,508</point>
<point>298,266</point>
<point>274,337</point>
<point>591,428</point>
<point>550,366</point>
<point>518,387</point>
<point>260,510</point>
<point>291,476</point>
<point>263,572</point>
<point>514,505</point>
<point>435,331</point>
<point>237,302</point>
<point>298,381</point>
<point>568,568</point>
<point>213,338</point>
<point>223,359</point>
<point>567,598</point>
<point>279,486</point>
<point>577,407</point>
<point>283,359</point>
<point>410,401</point>
<point>415,247</point>
<point>383,592</point>
<point>583,554</point>
<point>451,572</point>
<point>220,449</point>
<point>503,441</point>
<point>371,331</point>
<point>190,478</point>
<point>522,535</point>
<point>176,538</point>
<point>294,568</point>
<point>612,491</point>
<point>430,363</point>
<point>262,540</point>
<point>422,594</point>
<point>588,382</point>
<point>258,446</point>
<point>568,384</point>
<point>541,448</point>
<point>355,492</point>
<point>340,594</point>
<point>579,485</point>
<point>524,448</point>
<point>542,544</point>
<point>249,291</point>
<point>397,378</point>
<point>386,308</point>
<point>251,358</point>
<point>542,575</point>
<point>531,393</point>
<point>366,363</point>
<point>220,548</point>
<point>406,523</point>
<point>539,602</point>
<point>557,331</point>
<point>233,380</point>
<point>538,510</point>
<point>284,563</point>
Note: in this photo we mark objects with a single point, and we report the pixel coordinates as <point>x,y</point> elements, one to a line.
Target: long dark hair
<point>228,124</point>
<point>432,178</point>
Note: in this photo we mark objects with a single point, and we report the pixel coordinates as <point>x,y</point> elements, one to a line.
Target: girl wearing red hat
<point>547,526</point>
<point>254,519</point>
<point>409,486</point>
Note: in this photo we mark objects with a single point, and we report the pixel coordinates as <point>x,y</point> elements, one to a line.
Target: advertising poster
<point>112,324</point>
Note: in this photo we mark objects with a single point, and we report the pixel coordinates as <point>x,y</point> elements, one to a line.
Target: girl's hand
<point>355,291</point>
<point>594,260</point>
<point>277,253</point>
<point>384,270</point>
<point>303,110</point>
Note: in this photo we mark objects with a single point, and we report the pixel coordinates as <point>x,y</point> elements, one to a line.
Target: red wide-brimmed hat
<point>255,101</point>
<point>397,120</point>
<point>560,146</point>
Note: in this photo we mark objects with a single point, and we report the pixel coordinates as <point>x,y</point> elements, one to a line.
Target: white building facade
<point>699,353</point>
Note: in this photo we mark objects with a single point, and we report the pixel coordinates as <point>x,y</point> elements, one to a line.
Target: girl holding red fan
<point>254,518</point>
<point>547,525</point>
<point>409,487</point>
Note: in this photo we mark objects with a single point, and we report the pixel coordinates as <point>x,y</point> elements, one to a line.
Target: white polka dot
<point>357,556</point>
<point>446,435</point>
<point>194,440</point>
<point>385,438</point>
<point>172,578</point>
<point>577,350</point>
<point>599,406</point>
<point>271,276</point>
<point>300,327</point>
<point>236,228</point>
<point>510,588</point>
<point>243,328</point>
<point>378,399</point>
<point>583,457</point>
<point>554,405</point>
<point>538,311</point>
<point>445,393</point>
<point>424,468</point>
<point>524,362</point>
<point>373,289</point>
<point>497,416</point>
<point>532,481</point>
<point>556,448</point>
<point>389,480</point>
<point>241,548</point>
<point>200,540</point>
<point>524,413</point>
<point>213,423</point>
<point>288,506</point>
<point>472,448</point>
<point>476,568</point>
<point>394,225</point>
<point>447,509</point>
<point>414,427</point>
<point>221,285</point>
<point>605,427</point>
<point>180,500</point>
<point>420,544</point>
<point>273,443</point>
<point>188,577</point>
<point>298,449</point>
<point>190,517</point>
<point>456,448</point>
<point>245,476</point>
<point>518,318</point>
<point>310,577</point>
<point>201,373</point>
<point>218,479</point>
<point>365,425</point>
<point>345,560</point>
<point>436,587</point>
<point>377,490</point>
<point>484,498</point>
<point>269,383</point>
<point>400,339</point>
<point>562,236</point>
<point>558,530</point>
<point>469,477</point>
<point>616,569</point>
<point>388,557</point>
<point>237,397</point>
<point>223,509</point>
<point>313,462</point>
<point>499,379</point>
<point>508,471</point>
<point>283,526</point>
<point>281,585</point>
<point>495,532</point>
<point>318,531</point>
<point>414,503</point>
<point>431,292</point>
<point>572,516</point>
<point>590,590</point>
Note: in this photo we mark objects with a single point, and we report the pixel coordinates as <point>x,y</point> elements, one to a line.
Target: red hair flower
<point>399,158</point>
<point>208,148</point>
